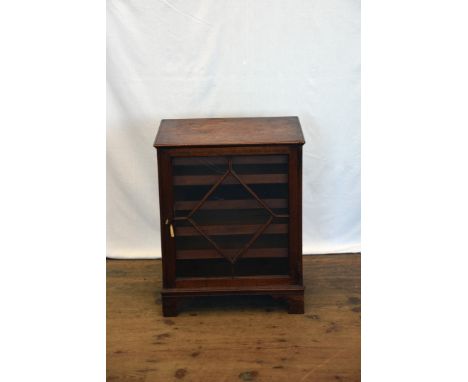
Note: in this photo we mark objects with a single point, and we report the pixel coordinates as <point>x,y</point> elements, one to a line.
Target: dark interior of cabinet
<point>231,215</point>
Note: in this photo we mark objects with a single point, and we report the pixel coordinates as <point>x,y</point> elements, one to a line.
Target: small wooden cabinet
<point>230,194</point>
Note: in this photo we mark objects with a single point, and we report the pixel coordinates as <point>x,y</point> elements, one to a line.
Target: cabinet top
<point>229,132</point>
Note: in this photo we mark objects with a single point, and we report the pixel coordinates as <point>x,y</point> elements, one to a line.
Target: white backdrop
<point>234,58</point>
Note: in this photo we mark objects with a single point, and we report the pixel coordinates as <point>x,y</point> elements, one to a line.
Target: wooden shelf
<point>213,254</point>
<point>230,229</point>
<point>246,159</point>
<point>193,180</point>
<point>188,205</point>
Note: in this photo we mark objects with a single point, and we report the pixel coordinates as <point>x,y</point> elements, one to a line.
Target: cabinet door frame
<point>166,197</point>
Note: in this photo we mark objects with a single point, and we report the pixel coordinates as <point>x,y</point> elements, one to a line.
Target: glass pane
<point>231,215</point>
<point>267,176</point>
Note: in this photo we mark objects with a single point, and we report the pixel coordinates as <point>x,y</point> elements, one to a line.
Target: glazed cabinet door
<point>230,215</point>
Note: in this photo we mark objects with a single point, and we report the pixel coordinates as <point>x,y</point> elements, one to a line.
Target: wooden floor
<point>237,338</point>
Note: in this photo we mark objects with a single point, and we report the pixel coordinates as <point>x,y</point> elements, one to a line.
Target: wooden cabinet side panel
<point>165,210</point>
<point>295,214</point>
<point>299,219</point>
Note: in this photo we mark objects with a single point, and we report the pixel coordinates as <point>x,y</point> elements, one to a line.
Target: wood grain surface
<point>229,131</point>
<point>235,338</point>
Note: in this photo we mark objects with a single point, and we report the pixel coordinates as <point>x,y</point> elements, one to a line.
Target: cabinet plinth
<point>230,195</point>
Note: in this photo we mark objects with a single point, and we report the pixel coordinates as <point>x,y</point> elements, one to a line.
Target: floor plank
<point>235,338</point>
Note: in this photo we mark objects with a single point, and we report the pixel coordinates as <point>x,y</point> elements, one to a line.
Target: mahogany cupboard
<point>230,194</point>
